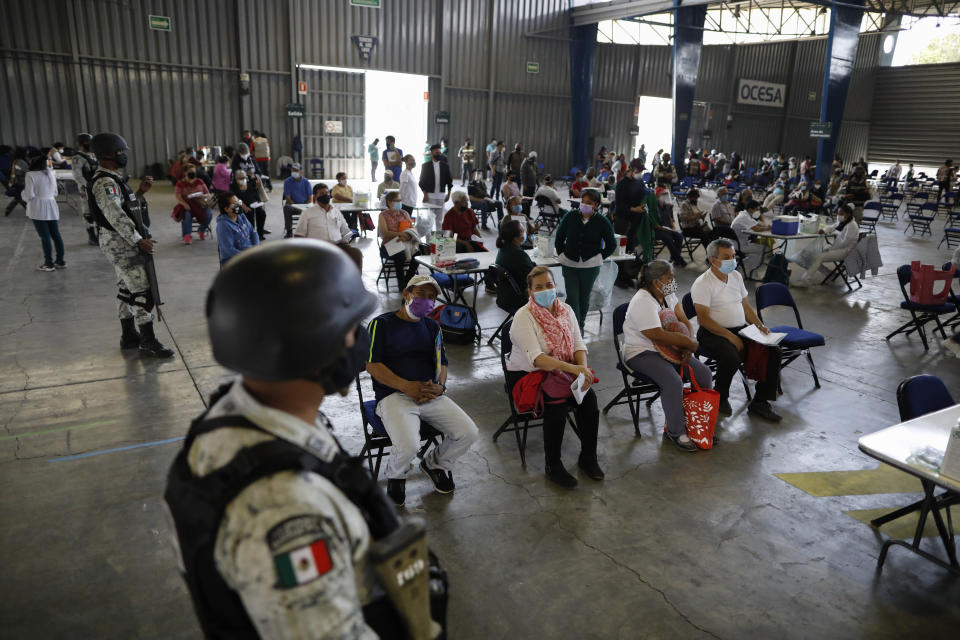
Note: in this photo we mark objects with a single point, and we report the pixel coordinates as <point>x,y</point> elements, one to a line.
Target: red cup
<point>433,248</point>
<point>623,241</point>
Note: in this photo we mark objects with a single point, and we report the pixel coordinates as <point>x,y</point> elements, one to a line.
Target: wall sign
<point>365,44</point>
<point>821,130</point>
<point>442,117</point>
<point>812,96</point>
<point>370,4</point>
<point>635,131</point>
<point>302,88</point>
<point>294,110</point>
<point>159,23</point>
<point>333,126</point>
<point>533,67</point>
<point>763,94</point>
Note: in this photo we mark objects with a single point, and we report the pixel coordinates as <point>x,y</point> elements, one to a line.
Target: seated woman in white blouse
<point>642,327</point>
<point>848,234</point>
<point>546,336</point>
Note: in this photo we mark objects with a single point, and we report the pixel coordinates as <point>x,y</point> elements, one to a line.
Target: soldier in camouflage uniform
<point>84,165</point>
<point>115,207</point>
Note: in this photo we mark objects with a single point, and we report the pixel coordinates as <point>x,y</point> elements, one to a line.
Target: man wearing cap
<point>274,523</point>
<point>408,363</point>
<point>296,190</point>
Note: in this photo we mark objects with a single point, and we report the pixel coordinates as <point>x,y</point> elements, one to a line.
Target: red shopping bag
<point>923,280</point>
<point>700,407</point>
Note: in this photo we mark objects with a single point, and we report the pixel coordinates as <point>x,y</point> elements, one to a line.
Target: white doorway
<point>653,112</point>
<point>395,104</point>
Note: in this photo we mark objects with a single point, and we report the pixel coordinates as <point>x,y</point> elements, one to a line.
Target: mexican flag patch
<point>302,565</point>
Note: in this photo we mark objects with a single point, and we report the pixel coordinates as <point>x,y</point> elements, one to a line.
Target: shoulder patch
<point>111,190</point>
<point>302,565</point>
<point>297,527</point>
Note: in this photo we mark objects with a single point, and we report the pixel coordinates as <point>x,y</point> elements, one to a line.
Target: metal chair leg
<point>813,370</point>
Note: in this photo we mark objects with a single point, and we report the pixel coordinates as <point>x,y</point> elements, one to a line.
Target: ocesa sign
<point>764,94</point>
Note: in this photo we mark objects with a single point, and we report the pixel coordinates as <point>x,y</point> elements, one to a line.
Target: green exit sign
<point>372,4</point>
<point>533,67</point>
<point>821,130</point>
<point>160,23</point>
<point>294,110</point>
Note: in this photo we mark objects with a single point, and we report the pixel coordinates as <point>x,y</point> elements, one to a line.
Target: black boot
<point>129,339</point>
<point>149,345</point>
<point>552,441</point>
<point>92,237</point>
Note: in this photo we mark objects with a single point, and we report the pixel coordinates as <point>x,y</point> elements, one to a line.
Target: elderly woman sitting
<point>546,337</point>
<point>249,197</point>
<point>192,194</point>
<point>643,330</point>
<point>395,224</point>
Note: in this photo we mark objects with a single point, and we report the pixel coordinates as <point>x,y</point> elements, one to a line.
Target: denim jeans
<point>49,230</point>
<point>186,225</point>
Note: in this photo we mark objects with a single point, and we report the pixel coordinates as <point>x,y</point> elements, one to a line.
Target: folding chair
<point>917,200</point>
<point>954,297</point>
<point>519,422</point>
<point>839,272</point>
<point>920,314</point>
<point>505,282</point>
<point>375,435</point>
<point>690,311</point>
<point>454,286</point>
<point>891,208</point>
<point>871,216</point>
<point>548,219</point>
<point>922,219</point>
<point>636,386</point>
<point>387,269</point>
<point>691,244</point>
<point>799,341</point>
<point>951,229</point>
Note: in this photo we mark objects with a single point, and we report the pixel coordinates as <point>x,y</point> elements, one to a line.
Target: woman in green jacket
<point>584,239</point>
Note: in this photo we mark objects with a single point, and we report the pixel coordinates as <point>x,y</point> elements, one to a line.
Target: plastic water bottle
<point>951,457</point>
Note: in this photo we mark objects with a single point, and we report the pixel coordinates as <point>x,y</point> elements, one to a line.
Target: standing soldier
<point>84,166</point>
<point>125,240</point>
<point>279,533</point>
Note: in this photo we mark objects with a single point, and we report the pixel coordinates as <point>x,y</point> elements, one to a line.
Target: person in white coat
<point>848,233</point>
<point>40,194</point>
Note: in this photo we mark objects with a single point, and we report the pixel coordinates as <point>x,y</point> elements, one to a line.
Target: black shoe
<point>442,480</point>
<point>130,338</point>
<point>558,474</point>
<point>625,283</point>
<point>92,237</point>
<point>59,264</point>
<point>591,468</point>
<point>266,232</point>
<point>683,442</point>
<point>288,234</point>
<point>485,228</point>
<point>397,490</point>
<point>150,346</point>
<point>725,408</point>
<point>680,262</point>
<point>763,409</point>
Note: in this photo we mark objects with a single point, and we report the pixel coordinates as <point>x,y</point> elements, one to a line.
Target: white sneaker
<point>953,346</point>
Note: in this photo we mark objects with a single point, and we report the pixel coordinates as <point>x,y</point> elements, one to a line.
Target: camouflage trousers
<point>134,299</point>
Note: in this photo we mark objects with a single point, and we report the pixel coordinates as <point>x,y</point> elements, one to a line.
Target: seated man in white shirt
<point>722,310</point>
<point>550,194</point>
<point>323,222</point>
<point>747,221</point>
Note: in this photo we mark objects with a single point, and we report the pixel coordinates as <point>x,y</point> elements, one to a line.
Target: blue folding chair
<point>920,314</point>
<point>375,435</point>
<point>799,341</point>
<point>454,286</point>
<point>919,395</point>
<point>519,422</point>
<point>954,297</point>
<point>690,311</point>
<point>871,216</point>
<point>636,386</point>
<point>951,229</point>
<point>922,219</point>
<point>917,200</point>
<point>891,207</point>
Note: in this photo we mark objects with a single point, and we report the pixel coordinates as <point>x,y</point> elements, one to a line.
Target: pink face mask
<point>586,209</point>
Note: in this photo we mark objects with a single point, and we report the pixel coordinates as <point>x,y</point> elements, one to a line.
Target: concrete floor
<point>670,545</point>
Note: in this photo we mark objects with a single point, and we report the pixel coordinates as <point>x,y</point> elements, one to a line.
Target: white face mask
<point>295,174</point>
<point>242,183</point>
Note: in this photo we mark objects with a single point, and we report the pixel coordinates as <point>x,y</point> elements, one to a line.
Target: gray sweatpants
<point>667,376</point>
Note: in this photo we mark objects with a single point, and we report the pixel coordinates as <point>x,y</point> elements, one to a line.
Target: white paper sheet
<point>393,247</point>
<point>576,388</point>
<point>751,332</point>
<point>255,205</point>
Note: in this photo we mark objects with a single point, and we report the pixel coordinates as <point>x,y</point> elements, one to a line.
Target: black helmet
<point>280,311</point>
<point>84,139</point>
<point>107,144</point>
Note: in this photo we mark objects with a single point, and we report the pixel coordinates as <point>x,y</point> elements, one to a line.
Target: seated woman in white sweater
<point>546,337</point>
<point>848,233</point>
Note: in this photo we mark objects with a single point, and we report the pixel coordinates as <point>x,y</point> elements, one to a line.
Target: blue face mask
<point>545,297</point>
<point>728,266</point>
<point>523,239</point>
<point>517,208</point>
<point>397,205</point>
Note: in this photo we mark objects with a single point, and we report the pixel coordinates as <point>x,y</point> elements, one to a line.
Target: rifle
<point>148,263</point>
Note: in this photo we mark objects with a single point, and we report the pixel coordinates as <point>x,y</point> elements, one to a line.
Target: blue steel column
<point>687,43</point>
<point>838,68</point>
<point>583,43</point>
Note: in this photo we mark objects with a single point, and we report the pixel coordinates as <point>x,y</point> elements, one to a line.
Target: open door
<point>333,124</point>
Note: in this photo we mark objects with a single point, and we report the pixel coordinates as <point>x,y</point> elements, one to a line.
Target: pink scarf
<point>556,330</point>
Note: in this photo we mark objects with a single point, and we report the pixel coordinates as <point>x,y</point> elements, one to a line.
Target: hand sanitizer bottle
<point>951,458</point>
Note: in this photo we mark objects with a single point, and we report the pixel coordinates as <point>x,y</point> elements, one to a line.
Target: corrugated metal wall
<point>916,114</point>
<point>622,73</point>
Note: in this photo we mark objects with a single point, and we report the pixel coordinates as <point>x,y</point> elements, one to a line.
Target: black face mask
<point>121,159</point>
<point>341,373</point>
<point>437,157</point>
<point>324,199</point>
<point>191,175</point>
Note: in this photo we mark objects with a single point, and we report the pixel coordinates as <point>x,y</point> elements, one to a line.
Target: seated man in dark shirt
<point>408,364</point>
<point>481,201</point>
